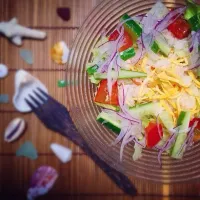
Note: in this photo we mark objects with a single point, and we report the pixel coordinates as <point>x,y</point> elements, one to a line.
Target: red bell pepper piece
<point>127,40</point>
<point>196,137</point>
<point>114,35</point>
<point>194,120</point>
<point>152,135</point>
<point>102,95</point>
<point>180,28</point>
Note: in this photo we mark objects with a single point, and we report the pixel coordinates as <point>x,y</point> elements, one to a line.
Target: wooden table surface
<point>81,178</point>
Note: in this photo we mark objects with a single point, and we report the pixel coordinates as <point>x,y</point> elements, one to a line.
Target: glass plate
<point>84,112</point>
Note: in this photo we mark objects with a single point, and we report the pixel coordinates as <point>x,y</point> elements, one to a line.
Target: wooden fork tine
<point>38,94</point>
<point>35,100</point>
<point>43,92</point>
<point>30,104</point>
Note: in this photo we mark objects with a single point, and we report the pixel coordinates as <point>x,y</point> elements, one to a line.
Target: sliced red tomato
<point>114,35</point>
<point>180,28</point>
<point>102,95</point>
<point>194,120</point>
<point>197,129</point>
<point>127,42</point>
<point>152,134</point>
<point>196,137</point>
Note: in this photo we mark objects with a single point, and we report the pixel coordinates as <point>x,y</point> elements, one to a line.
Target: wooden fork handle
<point>119,178</point>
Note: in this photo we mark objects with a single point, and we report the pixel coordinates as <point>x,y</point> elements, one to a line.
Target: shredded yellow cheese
<point>167,86</point>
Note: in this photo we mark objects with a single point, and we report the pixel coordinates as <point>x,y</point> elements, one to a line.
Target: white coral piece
<point>15,32</point>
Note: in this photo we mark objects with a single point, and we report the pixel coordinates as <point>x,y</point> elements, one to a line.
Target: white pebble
<point>3,71</point>
<point>63,153</point>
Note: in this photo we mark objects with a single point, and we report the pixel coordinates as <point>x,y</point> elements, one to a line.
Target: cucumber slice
<point>155,48</point>
<point>183,123</point>
<point>163,46</point>
<point>108,106</point>
<point>181,53</point>
<point>123,74</point>
<point>192,9</point>
<point>109,121</point>
<point>146,109</point>
<point>195,22</point>
<point>92,69</point>
<point>127,54</point>
<point>167,120</point>
<point>132,27</point>
<point>198,71</point>
<point>183,120</point>
<point>93,80</point>
<point>178,144</point>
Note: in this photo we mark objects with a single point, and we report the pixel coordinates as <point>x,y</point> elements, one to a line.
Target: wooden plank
<point>80,176</point>
<point>10,54</point>
<point>48,78</point>
<point>37,13</point>
<point>74,178</point>
<point>35,132</point>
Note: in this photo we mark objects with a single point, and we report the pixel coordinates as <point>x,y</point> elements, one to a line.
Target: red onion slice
<point>121,97</point>
<point>142,143</point>
<point>124,142</point>
<point>147,41</point>
<point>194,49</point>
<point>119,137</point>
<point>189,138</point>
<point>111,79</point>
<point>106,47</point>
<point>104,67</point>
<point>149,23</point>
<point>167,146</point>
<point>139,54</point>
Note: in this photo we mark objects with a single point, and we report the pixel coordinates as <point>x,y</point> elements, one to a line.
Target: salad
<point>148,80</point>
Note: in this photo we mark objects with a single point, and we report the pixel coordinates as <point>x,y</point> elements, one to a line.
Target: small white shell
<point>3,71</point>
<point>65,52</point>
<point>25,83</point>
<point>63,153</point>
<point>60,52</point>
<point>14,130</point>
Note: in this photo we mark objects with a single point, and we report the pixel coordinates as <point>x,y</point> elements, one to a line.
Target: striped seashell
<point>24,83</point>
<point>14,130</point>
<point>42,181</point>
<point>3,70</point>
